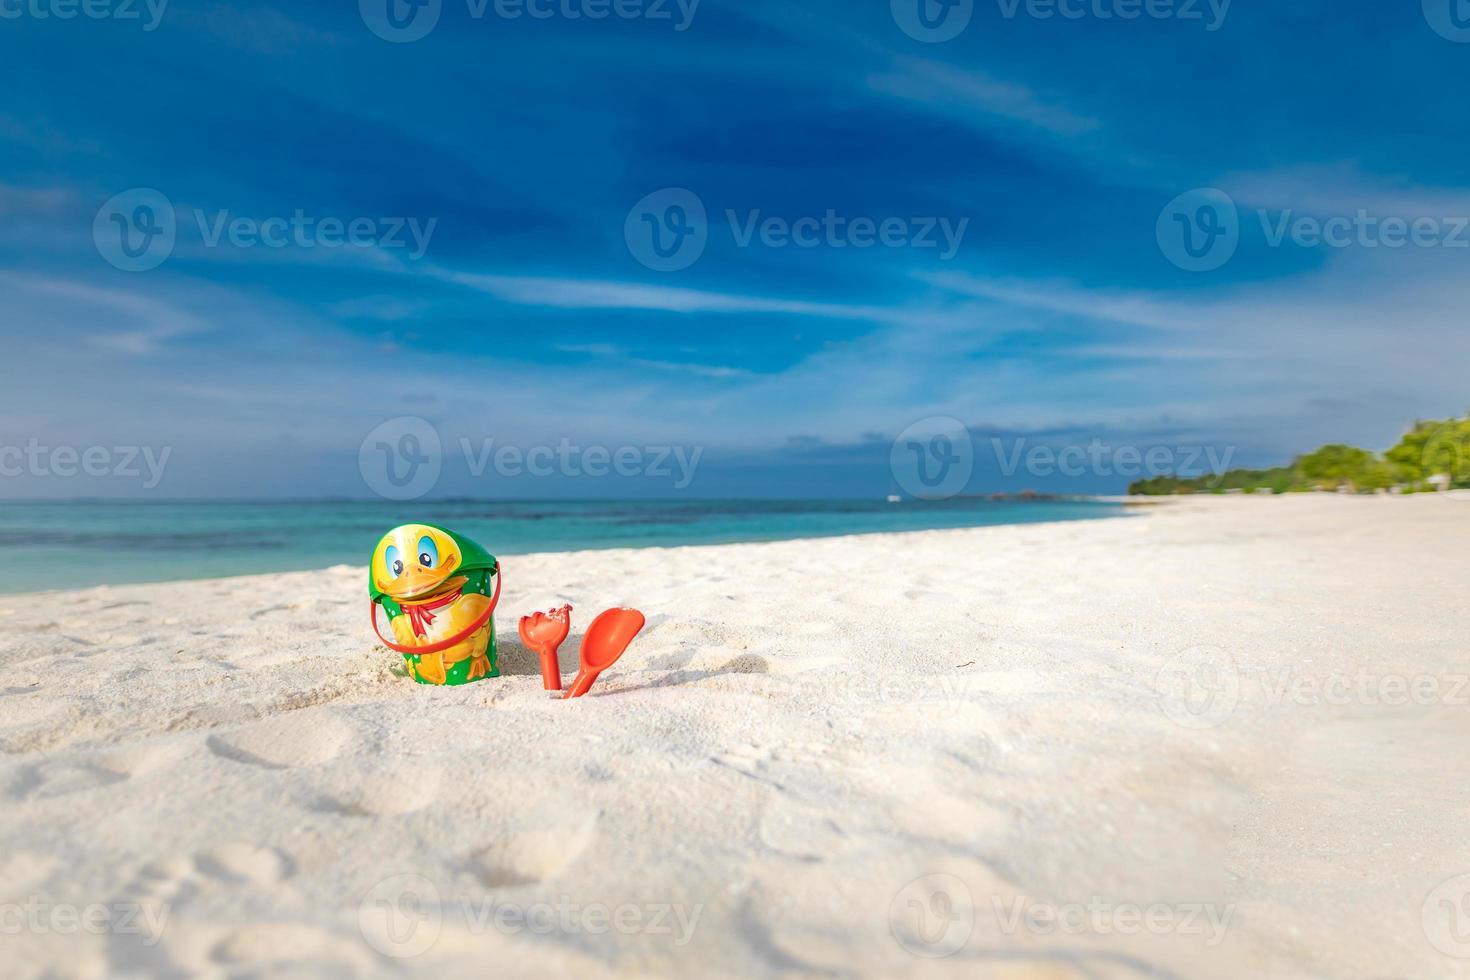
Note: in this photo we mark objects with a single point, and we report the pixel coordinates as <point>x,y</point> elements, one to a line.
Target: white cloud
<point>591,294</point>
<point>1344,188</point>
<point>1136,308</point>
<point>947,87</point>
<point>119,320</point>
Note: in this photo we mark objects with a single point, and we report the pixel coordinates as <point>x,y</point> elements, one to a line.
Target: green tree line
<point>1427,453</point>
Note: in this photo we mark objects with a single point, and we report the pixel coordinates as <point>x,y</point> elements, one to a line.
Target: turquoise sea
<point>76,544</point>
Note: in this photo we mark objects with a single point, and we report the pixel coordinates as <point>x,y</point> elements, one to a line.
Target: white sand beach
<point>953,753</point>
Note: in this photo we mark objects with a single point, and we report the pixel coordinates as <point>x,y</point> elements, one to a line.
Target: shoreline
<point>91,546</point>
<point>838,723</point>
<point>1129,507</point>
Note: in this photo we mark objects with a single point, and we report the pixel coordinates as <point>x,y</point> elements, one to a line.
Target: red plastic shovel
<point>606,639</point>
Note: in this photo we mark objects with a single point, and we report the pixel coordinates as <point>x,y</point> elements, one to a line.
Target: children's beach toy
<point>544,632</point>
<point>434,586</point>
<point>606,639</point>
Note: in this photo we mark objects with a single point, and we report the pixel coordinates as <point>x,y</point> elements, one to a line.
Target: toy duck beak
<point>417,583</point>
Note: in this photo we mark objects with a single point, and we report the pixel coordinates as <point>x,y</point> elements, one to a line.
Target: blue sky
<point>529,153</point>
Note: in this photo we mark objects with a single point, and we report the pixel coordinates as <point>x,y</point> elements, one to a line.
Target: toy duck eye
<point>428,552</point>
<point>393,558</point>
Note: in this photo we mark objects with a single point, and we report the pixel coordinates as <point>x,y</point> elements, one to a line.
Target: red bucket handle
<point>452,641</point>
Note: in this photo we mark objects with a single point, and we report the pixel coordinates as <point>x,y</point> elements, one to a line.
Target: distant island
<point>1432,456</point>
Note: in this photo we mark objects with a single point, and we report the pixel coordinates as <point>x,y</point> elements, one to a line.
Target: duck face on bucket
<point>416,562</point>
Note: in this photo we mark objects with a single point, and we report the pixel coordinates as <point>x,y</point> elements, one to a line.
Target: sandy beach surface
<point>1220,738</point>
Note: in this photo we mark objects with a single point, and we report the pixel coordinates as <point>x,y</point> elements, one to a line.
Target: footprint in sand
<point>302,738</point>
<point>758,759</point>
<point>242,863</point>
<point>387,787</point>
<point>144,760</point>
<point>22,872</point>
<point>60,778</point>
<point>177,879</point>
<point>168,881</point>
<point>796,830</point>
<point>548,841</point>
<point>291,949</point>
<point>746,663</point>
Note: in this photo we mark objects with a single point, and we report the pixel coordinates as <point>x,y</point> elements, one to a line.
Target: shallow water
<point>76,544</point>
